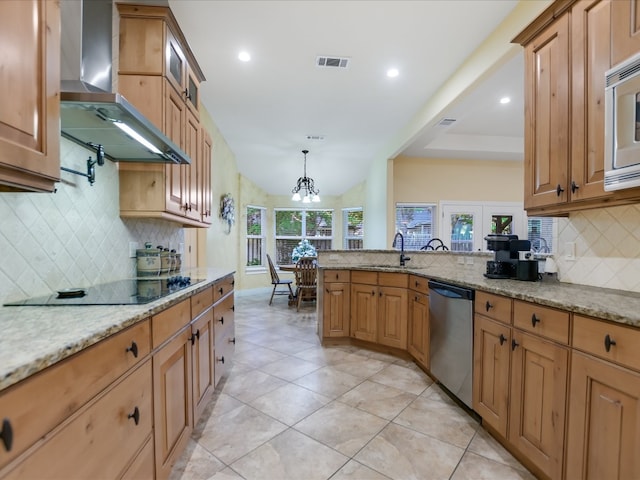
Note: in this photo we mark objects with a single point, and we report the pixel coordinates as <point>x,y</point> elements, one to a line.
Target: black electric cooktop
<point>122,292</point>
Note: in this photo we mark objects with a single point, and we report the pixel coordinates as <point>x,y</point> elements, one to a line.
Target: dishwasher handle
<point>451,291</point>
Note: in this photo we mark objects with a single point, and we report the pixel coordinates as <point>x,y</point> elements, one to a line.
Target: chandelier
<point>306,184</point>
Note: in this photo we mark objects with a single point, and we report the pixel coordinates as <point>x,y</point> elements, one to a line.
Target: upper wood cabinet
<point>625,23</point>
<point>568,49</point>
<point>30,95</point>
<point>159,75</point>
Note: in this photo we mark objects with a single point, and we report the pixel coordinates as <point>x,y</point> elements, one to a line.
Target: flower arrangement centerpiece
<point>304,249</point>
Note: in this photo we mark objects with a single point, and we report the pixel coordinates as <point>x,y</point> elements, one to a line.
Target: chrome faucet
<point>403,257</point>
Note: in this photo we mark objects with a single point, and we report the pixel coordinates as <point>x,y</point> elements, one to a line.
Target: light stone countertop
<point>33,338</point>
<point>615,305</point>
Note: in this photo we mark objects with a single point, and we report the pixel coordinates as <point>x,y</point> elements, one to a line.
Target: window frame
<point>304,212</point>
<point>433,226</point>
<point>262,237</point>
<point>345,228</point>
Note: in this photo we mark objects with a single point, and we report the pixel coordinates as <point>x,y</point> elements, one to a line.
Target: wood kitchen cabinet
<point>379,307</point>
<point>520,377</point>
<point>418,321</point>
<point>159,75</point>
<point>567,50</point>
<point>224,325</point>
<point>625,29</point>
<point>202,351</point>
<point>603,437</point>
<point>30,96</point>
<point>172,385</point>
<point>336,303</point>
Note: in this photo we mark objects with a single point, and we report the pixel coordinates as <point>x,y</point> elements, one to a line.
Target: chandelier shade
<point>305,188</point>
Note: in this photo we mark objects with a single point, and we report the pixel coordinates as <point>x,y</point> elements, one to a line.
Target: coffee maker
<point>507,250</point>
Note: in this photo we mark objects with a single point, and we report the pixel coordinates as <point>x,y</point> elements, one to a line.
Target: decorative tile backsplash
<point>74,237</point>
<point>607,248</point>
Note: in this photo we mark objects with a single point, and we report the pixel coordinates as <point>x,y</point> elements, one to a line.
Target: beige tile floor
<point>291,409</point>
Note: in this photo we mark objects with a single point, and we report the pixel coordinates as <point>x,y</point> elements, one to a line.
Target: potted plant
<point>304,249</point>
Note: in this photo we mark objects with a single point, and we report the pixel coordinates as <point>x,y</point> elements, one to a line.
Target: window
<point>256,217</point>
<point>292,225</point>
<point>416,223</point>
<point>352,228</point>
<point>541,234</point>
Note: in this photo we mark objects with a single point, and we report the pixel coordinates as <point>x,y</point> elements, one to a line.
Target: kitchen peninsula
<point>550,358</point>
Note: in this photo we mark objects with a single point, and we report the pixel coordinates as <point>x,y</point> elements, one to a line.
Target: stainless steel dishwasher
<point>451,338</point>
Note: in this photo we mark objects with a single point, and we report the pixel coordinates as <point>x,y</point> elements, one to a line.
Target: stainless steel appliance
<point>622,125</point>
<point>121,292</point>
<point>451,338</point>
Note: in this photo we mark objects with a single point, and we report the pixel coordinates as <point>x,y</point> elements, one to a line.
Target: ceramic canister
<point>148,261</point>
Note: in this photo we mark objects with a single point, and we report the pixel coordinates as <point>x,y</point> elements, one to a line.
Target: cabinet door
<point>625,29</point>
<point>603,437</point>
<point>590,58</point>
<point>336,309</point>
<point>202,360</point>
<point>538,396</point>
<point>176,64</point>
<point>364,312</point>
<point>491,347</point>
<point>392,317</point>
<point>192,93</point>
<point>172,408</point>
<point>29,95</point>
<point>174,129</point>
<point>204,168</point>
<point>547,116</point>
<point>418,334</point>
<point>190,172</point>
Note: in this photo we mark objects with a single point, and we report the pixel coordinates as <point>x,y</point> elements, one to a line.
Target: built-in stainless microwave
<point>622,125</point>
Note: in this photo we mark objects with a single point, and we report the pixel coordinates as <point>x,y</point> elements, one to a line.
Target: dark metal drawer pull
<point>608,342</point>
<point>502,339</point>
<point>488,306</point>
<point>133,349</point>
<point>534,320</point>
<point>135,415</point>
<point>7,435</point>
<point>514,344</point>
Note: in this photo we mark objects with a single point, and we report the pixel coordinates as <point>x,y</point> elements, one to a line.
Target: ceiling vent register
<point>332,62</point>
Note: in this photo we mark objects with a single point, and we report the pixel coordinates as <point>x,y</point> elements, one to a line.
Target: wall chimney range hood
<point>90,114</point>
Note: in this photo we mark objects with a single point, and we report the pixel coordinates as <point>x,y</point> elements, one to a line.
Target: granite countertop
<point>34,338</point>
<point>615,305</point>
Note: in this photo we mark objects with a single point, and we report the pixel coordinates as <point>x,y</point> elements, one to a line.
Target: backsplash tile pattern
<point>74,237</point>
<point>607,246</point>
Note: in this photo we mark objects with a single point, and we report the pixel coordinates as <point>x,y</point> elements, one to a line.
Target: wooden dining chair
<point>276,282</point>
<point>306,279</point>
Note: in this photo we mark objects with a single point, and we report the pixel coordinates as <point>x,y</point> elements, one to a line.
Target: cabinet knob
<point>502,339</point>
<point>232,340</point>
<point>574,186</point>
<point>221,290</point>
<point>6,434</point>
<point>187,94</point>
<point>488,306</point>
<point>221,320</point>
<point>534,320</point>
<point>220,359</point>
<point>608,342</point>
<point>514,344</point>
<point>372,293</point>
<point>193,337</point>
<point>559,190</point>
<point>133,349</point>
<point>135,415</point>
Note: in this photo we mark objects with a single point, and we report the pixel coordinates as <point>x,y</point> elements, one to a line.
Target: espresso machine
<point>510,253</point>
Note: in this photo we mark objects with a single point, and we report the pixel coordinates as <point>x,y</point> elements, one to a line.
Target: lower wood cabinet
<point>336,303</point>
<point>520,386</point>
<point>202,352</point>
<point>102,440</point>
<point>172,407</point>
<point>418,327</point>
<point>225,333</point>
<point>364,312</point>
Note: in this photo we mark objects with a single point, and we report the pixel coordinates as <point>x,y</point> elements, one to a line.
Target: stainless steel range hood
<point>90,114</point>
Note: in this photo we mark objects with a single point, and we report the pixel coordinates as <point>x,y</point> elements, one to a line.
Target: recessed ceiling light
<point>392,73</point>
<point>505,100</point>
<point>244,56</point>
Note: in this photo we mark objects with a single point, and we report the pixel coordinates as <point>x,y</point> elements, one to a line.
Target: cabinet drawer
<point>544,321</point>
<point>223,314</point>
<point>102,440</point>
<point>62,389</point>
<point>591,334</point>
<point>201,301</point>
<point>419,284</point>
<point>363,276</point>
<point>336,276</point>
<point>222,287</point>
<point>494,306</point>
<point>224,348</point>
<point>169,321</point>
<point>386,279</point>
